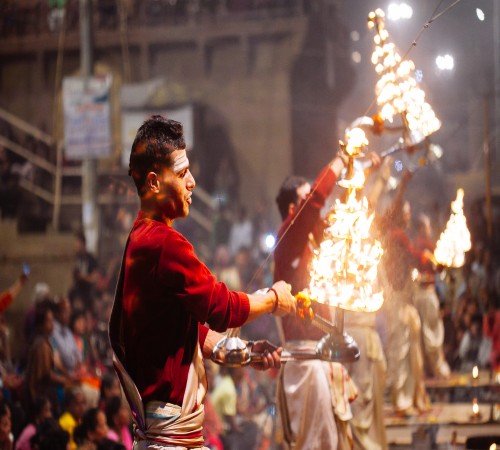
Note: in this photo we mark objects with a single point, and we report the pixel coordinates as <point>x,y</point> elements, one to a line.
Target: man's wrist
<point>274,294</point>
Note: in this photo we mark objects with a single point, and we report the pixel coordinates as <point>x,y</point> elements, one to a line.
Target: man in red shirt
<point>313,396</point>
<point>165,295</point>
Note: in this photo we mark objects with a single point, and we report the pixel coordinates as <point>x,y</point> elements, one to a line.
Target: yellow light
<point>475,407</point>
<point>475,372</point>
<point>454,241</point>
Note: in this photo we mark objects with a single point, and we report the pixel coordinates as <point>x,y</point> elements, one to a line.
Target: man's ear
<point>152,182</point>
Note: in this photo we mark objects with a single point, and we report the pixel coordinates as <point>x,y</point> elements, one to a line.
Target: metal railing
<point>55,197</point>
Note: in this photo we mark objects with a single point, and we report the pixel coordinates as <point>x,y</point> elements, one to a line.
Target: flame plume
<point>396,90</point>
<point>454,241</point>
<point>344,269</point>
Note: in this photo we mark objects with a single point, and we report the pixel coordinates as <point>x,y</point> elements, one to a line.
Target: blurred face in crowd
<point>48,324</point>
<point>46,412</point>
<point>101,429</point>
<point>80,325</point>
<point>64,311</point>
<point>5,425</point>
<point>78,406</point>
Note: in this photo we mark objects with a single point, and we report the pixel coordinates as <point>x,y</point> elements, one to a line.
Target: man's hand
<point>270,353</point>
<point>374,159</point>
<point>286,301</point>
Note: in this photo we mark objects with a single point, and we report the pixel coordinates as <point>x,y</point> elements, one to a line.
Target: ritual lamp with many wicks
<point>397,89</point>
<point>454,241</point>
<point>343,270</point>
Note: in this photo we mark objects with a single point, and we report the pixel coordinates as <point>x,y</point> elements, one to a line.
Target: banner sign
<point>87,117</point>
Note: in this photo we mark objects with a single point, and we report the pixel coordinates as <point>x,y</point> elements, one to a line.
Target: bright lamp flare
<point>397,91</point>
<point>344,269</point>
<point>454,241</point>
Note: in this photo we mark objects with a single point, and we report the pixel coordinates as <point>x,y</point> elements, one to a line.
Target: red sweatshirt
<point>294,252</point>
<point>168,293</point>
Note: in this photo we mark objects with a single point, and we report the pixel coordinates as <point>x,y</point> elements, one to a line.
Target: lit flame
<point>344,269</point>
<point>454,241</point>
<point>396,89</point>
<point>475,372</point>
<point>475,407</point>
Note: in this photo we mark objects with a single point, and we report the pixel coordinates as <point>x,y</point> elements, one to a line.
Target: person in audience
<point>92,432</point>
<point>50,436</point>
<point>72,416</point>
<point>42,410</point>
<point>62,338</point>
<point>474,349</point>
<point>6,436</point>
<point>118,419</point>
<point>41,376</point>
<point>85,275</point>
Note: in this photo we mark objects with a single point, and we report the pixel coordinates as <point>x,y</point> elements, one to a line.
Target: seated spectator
<point>92,432</point>
<point>89,369</point>
<point>224,398</point>
<point>110,387</point>
<point>41,376</point>
<point>50,436</point>
<point>72,416</point>
<point>119,420</point>
<point>42,410</point>
<point>225,270</point>
<point>474,349</point>
<point>6,437</point>
<point>62,339</point>
<point>41,293</point>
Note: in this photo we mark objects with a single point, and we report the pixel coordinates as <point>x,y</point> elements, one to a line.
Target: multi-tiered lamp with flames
<point>344,268</point>
<point>397,91</point>
<point>343,273</point>
<point>454,241</point>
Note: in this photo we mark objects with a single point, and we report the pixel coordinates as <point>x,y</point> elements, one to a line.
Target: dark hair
<point>88,424</point>
<point>4,408</point>
<point>37,407</point>
<point>112,408</point>
<point>41,311</point>
<point>75,316</point>
<point>155,140</point>
<point>288,194</point>
<point>108,379</point>
<point>80,236</point>
<point>70,396</point>
<point>50,436</point>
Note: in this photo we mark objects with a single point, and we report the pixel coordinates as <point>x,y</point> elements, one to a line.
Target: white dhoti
<point>427,304</point>
<point>313,399</point>
<point>164,426</point>
<point>369,374</point>
<point>405,370</point>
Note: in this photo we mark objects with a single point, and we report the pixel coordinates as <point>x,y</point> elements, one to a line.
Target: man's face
<point>176,186</point>
<point>302,192</point>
